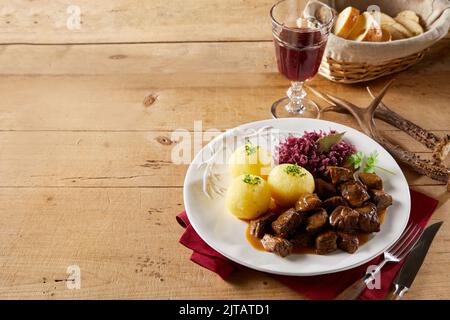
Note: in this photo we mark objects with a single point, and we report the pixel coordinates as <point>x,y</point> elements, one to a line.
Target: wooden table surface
<point>86,118</point>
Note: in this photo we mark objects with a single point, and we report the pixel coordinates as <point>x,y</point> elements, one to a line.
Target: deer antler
<point>429,139</point>
<point>434,169</point>
<point>440,147</point>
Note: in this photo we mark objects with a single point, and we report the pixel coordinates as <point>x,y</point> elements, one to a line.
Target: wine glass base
<point>282,109</point>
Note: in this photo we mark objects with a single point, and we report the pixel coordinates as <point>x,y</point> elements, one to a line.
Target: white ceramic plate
<point>226,234</point>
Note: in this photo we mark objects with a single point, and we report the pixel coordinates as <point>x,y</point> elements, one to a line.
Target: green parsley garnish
<point>370,164</point>
<point>356,159</point>
<point>250,179</point>
<point>250,149</point>
<point>294,170</point>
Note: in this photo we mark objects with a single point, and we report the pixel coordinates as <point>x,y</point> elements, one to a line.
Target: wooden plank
<point>145,59</point>
<point>87,159</point>
<point>118,21</point>
<point>124,240</point>
<point>107,159</point>
<point>148,88</point>
<point>125,243</point>
<point>427,284</point>
<point>107,103</point>
<point>216,58</point>
<point>134,21</point>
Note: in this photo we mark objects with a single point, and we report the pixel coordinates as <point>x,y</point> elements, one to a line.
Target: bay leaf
<point>326,142</point>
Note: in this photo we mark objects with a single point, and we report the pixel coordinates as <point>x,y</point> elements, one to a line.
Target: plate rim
<point>260,123</point>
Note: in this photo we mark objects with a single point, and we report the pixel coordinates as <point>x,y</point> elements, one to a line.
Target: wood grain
<point>116,92</point>
<point>118,21</point>
<point>125,242</point>
<point>135,21</point>
<point>86,122</point>
<point>108,159</point>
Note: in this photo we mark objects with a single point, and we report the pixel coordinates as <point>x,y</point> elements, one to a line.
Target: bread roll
<point>386,19</point>
<point>395,34</point>
<point>345,22</point>
<point>371,30</point>
<point>386,35</point>
<point>410,15</point>
<point>358,28</point>
<point>413,27</point>
<point>397,30</point>
<point>405,32</point>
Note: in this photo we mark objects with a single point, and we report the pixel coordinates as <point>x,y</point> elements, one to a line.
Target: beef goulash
<point>343,208</point>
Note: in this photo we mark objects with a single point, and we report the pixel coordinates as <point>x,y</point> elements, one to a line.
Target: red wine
<point>299,53</point>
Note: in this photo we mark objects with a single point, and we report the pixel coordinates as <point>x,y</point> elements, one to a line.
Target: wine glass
<point>300,31</point>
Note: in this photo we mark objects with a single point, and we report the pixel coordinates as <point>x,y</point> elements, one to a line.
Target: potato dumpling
<point>288,181</point>
<point>250,159</point>
<point>248,196</point>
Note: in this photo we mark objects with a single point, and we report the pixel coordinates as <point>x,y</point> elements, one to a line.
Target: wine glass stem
<point>296,93</point>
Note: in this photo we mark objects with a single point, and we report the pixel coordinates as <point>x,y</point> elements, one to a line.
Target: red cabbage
<point>304,152</point>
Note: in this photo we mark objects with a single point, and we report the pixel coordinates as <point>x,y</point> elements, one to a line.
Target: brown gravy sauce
<point>256,242</point>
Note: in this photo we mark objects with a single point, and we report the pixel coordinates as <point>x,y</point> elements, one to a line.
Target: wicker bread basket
<point>347,61</point>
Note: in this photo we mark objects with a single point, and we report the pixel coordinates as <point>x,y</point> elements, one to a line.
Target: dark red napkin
<point>315,287</point>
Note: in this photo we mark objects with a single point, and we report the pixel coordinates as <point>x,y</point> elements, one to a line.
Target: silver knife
<point>413,262</point>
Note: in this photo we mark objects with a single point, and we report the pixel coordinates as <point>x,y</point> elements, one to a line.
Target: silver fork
<point>395,253</point>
